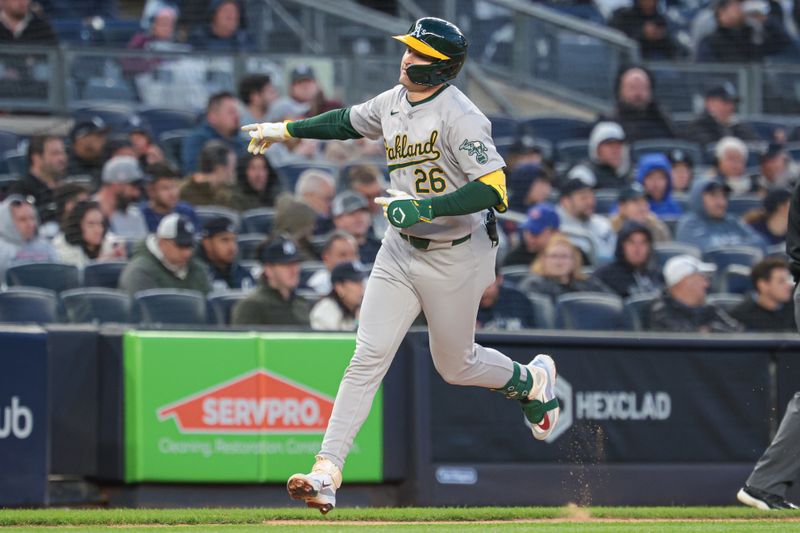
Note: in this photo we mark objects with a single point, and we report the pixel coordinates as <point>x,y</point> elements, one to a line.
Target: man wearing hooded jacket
<point>630,273</point>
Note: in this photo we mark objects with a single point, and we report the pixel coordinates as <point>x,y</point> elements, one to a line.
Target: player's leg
<point>779,466</point>
<point>450,293</point>
<point>389,307</point>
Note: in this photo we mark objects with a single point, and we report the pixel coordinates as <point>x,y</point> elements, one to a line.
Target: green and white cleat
<point>317,489</point>
<point>541,408</point>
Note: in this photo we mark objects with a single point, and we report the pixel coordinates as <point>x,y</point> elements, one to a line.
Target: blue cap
<point>540,218</point>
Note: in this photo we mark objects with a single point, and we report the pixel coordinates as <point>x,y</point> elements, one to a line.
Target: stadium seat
<point>162,120</point>
<point>308,269</point>
<point>16,163</point>
<point>248,245</point>
<point>637,310</point>
<point>52,276</point>
<point>116,116</point>
<point>514,274</point>
<point>726,301</point>
<point>605,200</point>
<point>258,220</point>
<point>735,279</point>
<point>9,141</point>
<point>207,212</point>
<point>765,127</point>
<point>28,304</point>
<point>289,174</point>
<point>96,305</point>
<point>103,274</point>
<point>503,127</point>
<point>220,305</point>
<point>252,266</point>
<point>172,143</point>
<point>543,310</point>
<point>556,129</point>
<point>724,256</point>
<point>170,306</point>
<point>662,251</point>
<point>591,311</point>
<point>108,89</point>
<point>665,145</point>
<point>572,151</point>
<point>739,205</point>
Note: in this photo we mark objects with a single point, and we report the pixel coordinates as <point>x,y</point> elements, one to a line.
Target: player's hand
<point>264,134</point>
<point>403,210</point>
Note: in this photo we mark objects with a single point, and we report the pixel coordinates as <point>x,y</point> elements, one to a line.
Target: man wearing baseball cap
<point>576,212</point>
<point>351,214</point>
<point>632,205</point>
<point>275,302</point>
<point>339,310</point>
<point>682,306</point>
<point>534,234</point>
<point>88,136</point>
<point>166,261</point>
<point>218,250</point>
<point>718,118</point>
<point>118,195</point>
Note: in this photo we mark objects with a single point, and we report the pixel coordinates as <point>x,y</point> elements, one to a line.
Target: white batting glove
<point>394,194</point>
<point>264,134</point>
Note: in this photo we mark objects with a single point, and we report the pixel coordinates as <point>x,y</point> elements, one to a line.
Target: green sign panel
<point>237,407</point>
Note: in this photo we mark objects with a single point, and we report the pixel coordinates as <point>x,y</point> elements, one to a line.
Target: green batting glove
<point>403,210</point>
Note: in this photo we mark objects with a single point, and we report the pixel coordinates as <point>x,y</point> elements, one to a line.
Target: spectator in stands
<point>88,142</point>
<point>218,251</point>
<point>682,170</point>
<point>637,111</point>
<point>771,307</point>
<point>317,188</point>
<point>645,23</point>
<point>653,173</point>
<point>339,310</point>
<point>504,308</point>
<point>84,237</point>
<point>212,183</point>
<point>731,155</point>
<point>20,24</point>
<point>772,220</point>
<point>296,220</point>
<point>159,28</point>
<point>576,213</point>
<point>223,33</point>
<point>258,185</point>
<point>745,33</point>
<point>351,214</point>
<point>275,302</point>
<point>630,273</point>
<point>47,162</point>
<point>368,181</point>
<point>632,206</point>
<point>19,240</point>
<point>526,149</point>
<point>144,147</point>
<point>559,269</point>
<point>116,145</point>
<point>682,305</point>
<point>773,169</point>
<point>718,118</point>
<point>708,224</point>
<point>166,260</point>
<point>304,91</point>
<point>529,184</point>
<point>163,192</point>
<point>118,197</point>
<point>221,124</point>
<point>340,247</point>
<point>257,94</point>
<point>534,234</point>
<point>607,167</point>
<point>66,196</point>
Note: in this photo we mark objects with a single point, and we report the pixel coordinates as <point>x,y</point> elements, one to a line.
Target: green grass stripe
<point>55,517</point>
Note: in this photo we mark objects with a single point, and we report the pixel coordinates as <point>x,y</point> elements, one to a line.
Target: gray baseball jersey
<point>432,147</point>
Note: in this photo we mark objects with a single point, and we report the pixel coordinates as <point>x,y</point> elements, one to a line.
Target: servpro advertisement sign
<point>237,407</point>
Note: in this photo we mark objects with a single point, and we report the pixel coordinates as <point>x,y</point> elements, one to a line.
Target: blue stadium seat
<point>56,277</point>
<point>637,310</point>
<point>605,200</point>
<point>665,145</point>
<point>724,256</point>
<point>96,305</point>
<point>118,32</point>
<point>207,212</point>
<point>170,307</point>
<point>163,120</point>
<point>503,127</point>
<point>739,205</point>
<point>289,174</point>
<point>16,163</point>
<point>308,269</point>
<point>556,129</point>
<point>514,274</point>
<point>28,304</point>
<point>69,30</point>
<point>172,143</point>
<point>735,279</point>
<point>572,151</point>
<point>220,305</point>
<point>103,274</point>
<point>108,89</point>
<point>116,116</point>
<point>258,220</point>
<point>662,251</point>
<point>765,127</point>
<point>591,311</point>
<point>544,311</point>
<point>248,245</point>
<point>8,141</point>
<point>726,301</point>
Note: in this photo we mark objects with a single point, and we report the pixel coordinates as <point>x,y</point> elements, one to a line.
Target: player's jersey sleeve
<point>366,118</point>
<point>471,144</point>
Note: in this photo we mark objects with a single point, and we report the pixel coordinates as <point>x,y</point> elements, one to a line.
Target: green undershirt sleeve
<point>334,124</point>
<point>471,198</point>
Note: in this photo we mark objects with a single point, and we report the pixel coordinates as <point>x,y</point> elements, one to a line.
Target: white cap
<point>604,132</point>
<point>681,266</point>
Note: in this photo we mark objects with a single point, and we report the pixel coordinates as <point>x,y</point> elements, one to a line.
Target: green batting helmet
<point>440,40</point>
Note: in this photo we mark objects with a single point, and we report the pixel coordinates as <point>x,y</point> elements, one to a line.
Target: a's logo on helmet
<point>419,31</point>
<point>476,148</point>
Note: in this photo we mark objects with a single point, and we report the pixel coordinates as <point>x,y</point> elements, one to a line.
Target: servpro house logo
<point>255,403</point>
<point>607,405</point>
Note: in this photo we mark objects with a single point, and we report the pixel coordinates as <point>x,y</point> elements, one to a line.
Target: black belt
<point>423,244</point>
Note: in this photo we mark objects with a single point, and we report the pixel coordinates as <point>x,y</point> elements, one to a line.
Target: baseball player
<point>437,256</point>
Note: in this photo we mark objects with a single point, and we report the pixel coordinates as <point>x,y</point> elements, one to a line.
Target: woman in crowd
<point>85,237</point>
<point>558,270</point>
<point>339,310</point>
<point>257,181</point>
